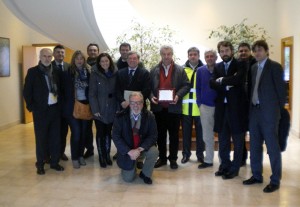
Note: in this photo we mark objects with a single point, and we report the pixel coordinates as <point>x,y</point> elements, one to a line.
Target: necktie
<point>130,75</point>
<point>61,67</point>
<point>226,67</point>
<point>255,99</point>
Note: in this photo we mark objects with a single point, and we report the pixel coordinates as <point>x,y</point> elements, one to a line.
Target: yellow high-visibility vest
<point>189,100</point>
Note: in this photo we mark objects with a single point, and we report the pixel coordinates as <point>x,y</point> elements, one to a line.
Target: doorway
<point>287,45</point>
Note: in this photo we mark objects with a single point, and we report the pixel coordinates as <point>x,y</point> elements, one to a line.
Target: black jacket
<point>36,90</point>
<point>140,82</point>
<point>123,137</point>
<point>236,95</point>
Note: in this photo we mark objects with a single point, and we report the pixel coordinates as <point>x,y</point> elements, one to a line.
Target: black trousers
<point>187,128</point>
<point>47,134</point>
<point>167,122</point>
<point>88,144</point>
<point>225,137</point>
<point>64,128</point>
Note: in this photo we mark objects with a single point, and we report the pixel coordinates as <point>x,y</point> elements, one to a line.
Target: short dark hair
<point>92,44</point>
<point>58,47</point>
<point>244,44</point>
<point>194,49</point>
<point>260,43</point>
<point>124,44</point>
<point>225,43</point>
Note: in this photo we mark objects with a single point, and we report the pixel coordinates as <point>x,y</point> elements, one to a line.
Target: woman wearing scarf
<point>102,96</point>
<point>76,86</point>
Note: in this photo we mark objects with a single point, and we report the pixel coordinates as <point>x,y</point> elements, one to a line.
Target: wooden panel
<point>30,59</point>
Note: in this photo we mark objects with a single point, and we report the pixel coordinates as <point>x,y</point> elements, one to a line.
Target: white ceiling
<point>69,22</point>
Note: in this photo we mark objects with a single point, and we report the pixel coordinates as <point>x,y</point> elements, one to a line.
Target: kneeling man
<point>135,135</point>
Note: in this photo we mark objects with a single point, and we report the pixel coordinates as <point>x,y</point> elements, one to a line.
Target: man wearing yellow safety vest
<point>190,109</point>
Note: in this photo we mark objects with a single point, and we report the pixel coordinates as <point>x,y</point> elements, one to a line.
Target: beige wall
<point>10,87</point>
<point>288,24</point>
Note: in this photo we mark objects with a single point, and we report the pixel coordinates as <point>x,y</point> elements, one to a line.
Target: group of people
<point>230,98</point>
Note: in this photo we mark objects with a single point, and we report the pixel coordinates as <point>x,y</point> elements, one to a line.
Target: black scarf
<point>48,72</point>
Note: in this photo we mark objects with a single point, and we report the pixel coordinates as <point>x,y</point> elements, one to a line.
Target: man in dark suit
<point>135,135</point>
<point>244,54</point>
<point>268,95</point>
<point>61,66</point>
<point>132,78</point>
<point>228,80</point>
<point>42,97</point>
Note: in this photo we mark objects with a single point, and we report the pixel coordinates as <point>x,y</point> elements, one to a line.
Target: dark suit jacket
<point>140,82</point>
<point>123,138</point>
<point>236,95</point>
<point>36,90</point>
<point>65,66</point>
<point>271,89</point>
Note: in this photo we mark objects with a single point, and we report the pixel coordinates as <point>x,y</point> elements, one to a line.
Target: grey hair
<point>212,51</point>
<point>136,93</point>
<point>166,47</point>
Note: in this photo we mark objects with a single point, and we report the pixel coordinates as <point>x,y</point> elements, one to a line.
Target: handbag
<point>82,111</point>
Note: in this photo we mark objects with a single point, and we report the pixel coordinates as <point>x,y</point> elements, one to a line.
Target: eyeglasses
<point>136,103</point>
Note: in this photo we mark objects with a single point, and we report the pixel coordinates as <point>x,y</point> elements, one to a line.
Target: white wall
<point>288,24</point>
<point>10,87</point>
<point>194,19</point>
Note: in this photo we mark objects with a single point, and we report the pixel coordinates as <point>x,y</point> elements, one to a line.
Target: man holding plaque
<point>169,83</point>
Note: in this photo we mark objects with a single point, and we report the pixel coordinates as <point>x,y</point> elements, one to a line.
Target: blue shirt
<point>205,95</point>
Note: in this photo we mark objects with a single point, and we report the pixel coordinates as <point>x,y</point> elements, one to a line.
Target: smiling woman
<point>4,57</point>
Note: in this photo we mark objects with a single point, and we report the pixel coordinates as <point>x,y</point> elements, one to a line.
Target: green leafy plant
<point>146,40</point>
<point>238,33</point>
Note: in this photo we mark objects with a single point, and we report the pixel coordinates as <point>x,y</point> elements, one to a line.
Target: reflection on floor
<point>92,186</point>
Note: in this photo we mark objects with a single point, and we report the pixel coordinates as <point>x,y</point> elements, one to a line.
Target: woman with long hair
<point>102,96</point>
<point>76,86</point>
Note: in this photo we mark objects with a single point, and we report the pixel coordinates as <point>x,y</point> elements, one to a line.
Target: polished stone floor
<point>94,186</point>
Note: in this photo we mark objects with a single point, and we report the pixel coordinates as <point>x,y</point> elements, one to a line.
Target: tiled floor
<point>93,186</point>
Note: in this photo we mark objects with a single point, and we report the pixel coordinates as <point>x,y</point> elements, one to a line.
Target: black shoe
<point>230,175</point>
<point>64,157</point>
<point>201,160</point>
<point>40,170</point>
<point>160,163</point>
<point>271,188</point>
<point>88,154</point>
<point>139,165</point>
<point>57,167</point>
<point>185,159</point>
<point>115,156</point>
<point>204,165</point>
<point>251,181</point>
<point>108,160</point>
<point>146,179</point>
<point>173,164</point>
<point>220,173</point>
